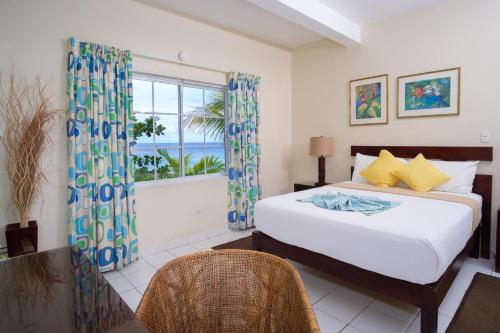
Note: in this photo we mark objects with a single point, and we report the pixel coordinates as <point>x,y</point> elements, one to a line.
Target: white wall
<point>456,33</point>
<point>33,35</point>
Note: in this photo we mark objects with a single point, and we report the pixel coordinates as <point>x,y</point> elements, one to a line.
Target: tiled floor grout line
<point>330,315</point>
<point>328,293</point>
<point>360,312</point>
<point>394,317</point>
<point>192,243</point>
<point>414,319</point>
<point>346,326</point>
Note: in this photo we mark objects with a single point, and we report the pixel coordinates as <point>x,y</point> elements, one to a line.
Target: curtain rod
<point>180,63</point>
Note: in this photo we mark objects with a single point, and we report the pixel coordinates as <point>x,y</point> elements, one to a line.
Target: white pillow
<point>462,176</point>
<point>362,162</point>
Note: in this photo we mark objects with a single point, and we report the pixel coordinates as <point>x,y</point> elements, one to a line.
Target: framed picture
<point>435,93</point>
<point>368,101</point>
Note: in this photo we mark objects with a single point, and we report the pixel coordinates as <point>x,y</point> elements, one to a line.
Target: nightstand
<point>497,256</point>
<point>304,186</point>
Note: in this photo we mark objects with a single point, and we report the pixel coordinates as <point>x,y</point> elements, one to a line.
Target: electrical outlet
<point>198,212</point>
<point>485,136</point>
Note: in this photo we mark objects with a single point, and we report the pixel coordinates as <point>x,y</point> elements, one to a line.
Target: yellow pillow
<point>420,175</point>
<point>381,171</point>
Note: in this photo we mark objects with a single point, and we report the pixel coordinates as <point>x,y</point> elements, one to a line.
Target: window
<point>179,129</point>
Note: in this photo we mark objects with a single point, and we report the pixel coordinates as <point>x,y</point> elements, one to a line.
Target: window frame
<point>181,84</point>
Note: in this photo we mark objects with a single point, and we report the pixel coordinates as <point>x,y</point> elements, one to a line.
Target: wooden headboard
<point>482,183</point>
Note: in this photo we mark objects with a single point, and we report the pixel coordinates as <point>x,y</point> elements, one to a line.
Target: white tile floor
<point>339,307</point>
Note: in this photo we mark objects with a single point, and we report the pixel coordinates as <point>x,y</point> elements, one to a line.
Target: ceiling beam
<point>315,16</point>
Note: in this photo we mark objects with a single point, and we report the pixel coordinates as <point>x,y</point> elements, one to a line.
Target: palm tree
<point>173,167</point>
<point>212,163</point>
<point>209,119</point>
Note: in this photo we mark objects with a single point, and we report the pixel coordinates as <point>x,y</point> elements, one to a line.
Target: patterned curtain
<point>101,204</point>
<point>242,128</point>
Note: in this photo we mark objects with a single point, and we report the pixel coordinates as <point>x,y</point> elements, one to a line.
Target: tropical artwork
<point>368,101</point>
<point>429,94</point>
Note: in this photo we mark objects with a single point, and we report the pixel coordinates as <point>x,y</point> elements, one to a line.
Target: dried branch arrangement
<point>28,116</point>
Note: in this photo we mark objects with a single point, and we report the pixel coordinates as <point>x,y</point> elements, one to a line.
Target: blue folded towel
<point>355,203</point>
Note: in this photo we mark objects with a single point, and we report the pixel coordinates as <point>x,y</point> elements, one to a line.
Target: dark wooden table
<point>60,291</point>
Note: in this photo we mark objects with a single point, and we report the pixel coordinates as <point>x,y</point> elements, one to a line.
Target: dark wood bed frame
<point>427,297</point>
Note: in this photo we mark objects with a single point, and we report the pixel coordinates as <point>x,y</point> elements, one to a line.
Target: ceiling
<point>287,30</point>
<point>368,11</point>
<point>244,18</point>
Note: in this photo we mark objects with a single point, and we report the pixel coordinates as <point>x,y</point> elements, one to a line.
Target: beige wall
<point>457,33</point>
<point>33,35</point>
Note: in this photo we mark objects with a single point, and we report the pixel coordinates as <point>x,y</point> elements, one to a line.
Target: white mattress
<point>415,241</point>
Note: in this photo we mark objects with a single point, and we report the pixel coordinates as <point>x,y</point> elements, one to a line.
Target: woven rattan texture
<point>227,291</point>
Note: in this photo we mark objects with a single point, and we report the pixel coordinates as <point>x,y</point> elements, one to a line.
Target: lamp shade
<point>321,146</point>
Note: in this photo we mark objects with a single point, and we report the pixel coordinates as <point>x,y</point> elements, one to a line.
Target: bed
<point>415,262</point>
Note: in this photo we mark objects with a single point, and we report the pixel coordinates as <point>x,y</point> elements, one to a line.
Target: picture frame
<point>369,101</point>
<point>429,94</point>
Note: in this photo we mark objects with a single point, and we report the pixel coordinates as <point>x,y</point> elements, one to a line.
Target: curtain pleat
<point>242,129</point>
<point>101,205</point>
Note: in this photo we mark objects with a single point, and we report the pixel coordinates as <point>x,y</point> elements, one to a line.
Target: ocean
<point>197,152</point>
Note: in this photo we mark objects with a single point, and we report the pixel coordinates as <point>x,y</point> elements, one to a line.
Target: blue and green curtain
<point>243,156</point>
<point>101,205</point>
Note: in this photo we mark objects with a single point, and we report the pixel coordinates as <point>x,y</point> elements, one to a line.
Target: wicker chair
<point>227,291</point>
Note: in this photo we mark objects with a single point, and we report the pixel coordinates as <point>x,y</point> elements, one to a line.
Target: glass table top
<point>60,291</point>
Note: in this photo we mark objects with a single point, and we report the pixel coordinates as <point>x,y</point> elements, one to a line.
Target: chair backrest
<point>227,291</point>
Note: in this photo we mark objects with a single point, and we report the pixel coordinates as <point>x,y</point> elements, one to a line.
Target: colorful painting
<point>429,94</point>
<point>368,101</point>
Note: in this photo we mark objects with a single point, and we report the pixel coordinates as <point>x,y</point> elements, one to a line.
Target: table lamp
<point>321,146</point>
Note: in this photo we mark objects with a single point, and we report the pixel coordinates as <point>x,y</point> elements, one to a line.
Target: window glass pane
<point>143,129</point>
<point>214,103</point>
<point>194,160</point>
<point>168,163</point>
<point>159,147</point>
<point>215,159</point>
<point>214,122</point>
<point>214,130</point>
<point>166,99</point>
<point>144,163</point>
<point>194,128</point>
<point>167,130</point>
<point>192,101</point>
<point>143,100</point>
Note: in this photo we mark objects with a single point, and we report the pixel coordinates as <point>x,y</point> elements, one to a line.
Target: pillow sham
<point>381,171</point>
<point>421,175</point>
<point>361,162</point>
<point>462,176</point>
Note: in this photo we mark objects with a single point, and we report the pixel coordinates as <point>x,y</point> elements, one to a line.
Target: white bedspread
<point>415,241</point>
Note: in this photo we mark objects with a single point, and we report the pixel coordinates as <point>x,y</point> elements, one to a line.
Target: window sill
<point>179,180</point>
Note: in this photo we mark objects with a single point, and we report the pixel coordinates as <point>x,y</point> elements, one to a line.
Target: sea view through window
<point>179,128</point>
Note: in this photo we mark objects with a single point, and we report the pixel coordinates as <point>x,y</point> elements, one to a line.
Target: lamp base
<point>321,172</point>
